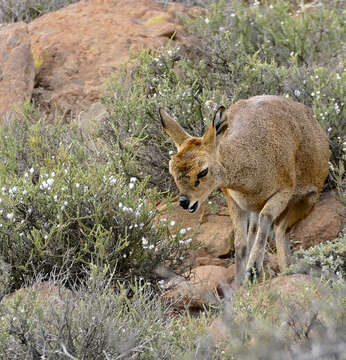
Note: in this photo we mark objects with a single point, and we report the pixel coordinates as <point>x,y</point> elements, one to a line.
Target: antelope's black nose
<point>184,201</point>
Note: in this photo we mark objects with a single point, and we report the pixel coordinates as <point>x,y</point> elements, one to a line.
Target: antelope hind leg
<point>282,244</point>
<point>297,210</point>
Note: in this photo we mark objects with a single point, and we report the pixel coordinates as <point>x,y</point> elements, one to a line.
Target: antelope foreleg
<point>271,210</point>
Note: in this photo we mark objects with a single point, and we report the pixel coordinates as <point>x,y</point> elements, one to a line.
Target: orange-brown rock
<point>76,48</point>
<point>17,71</point>
<point>323,223</point>
<point>42,292</point>
<point>213,231</point>
<point>216,235</point>
<point>201,286</point>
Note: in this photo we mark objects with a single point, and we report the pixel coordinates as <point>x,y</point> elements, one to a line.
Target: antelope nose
<point>184,201</point>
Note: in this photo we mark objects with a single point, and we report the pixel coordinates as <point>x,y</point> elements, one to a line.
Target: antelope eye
<point>202,173</point>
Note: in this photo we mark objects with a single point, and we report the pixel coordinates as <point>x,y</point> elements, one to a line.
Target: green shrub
<point>327,259</point>
<point>244,51</point>
<point>28,10</point>
<point>61,206</point>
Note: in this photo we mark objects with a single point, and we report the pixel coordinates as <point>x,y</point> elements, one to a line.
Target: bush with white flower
<point>59,212</point>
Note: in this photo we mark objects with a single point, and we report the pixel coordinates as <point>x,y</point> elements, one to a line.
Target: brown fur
<point>270,160</point>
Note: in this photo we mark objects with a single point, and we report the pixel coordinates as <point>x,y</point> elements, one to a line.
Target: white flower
<point>329,129</point>
<point>232,14</point>
<point>312,94</point>
<point>207,21</point>
<point>50,181</point>
<point>13,190</point>
<point>112,180</point>
<point>183,231</point>
<point>52,174</point>
<point>0,200</point>
<point>297,92</point>
<point>65,203</point>
<point>271,6</point>
<point>65,171</point>
<point>120,205</point>
<point>31,170</point>
<point>10,216</point>
<point>26,175</point>
<point>144,241</point>
<point>131,186</point>
<point>187,242</point>
<point>133,179</point>
<point>151,247</point>
<point>172,223</point>
<point>77,185</point>
<point>171,152</point>
<point>24,192</point>
<point>43,185</point>
<point>55,197</point>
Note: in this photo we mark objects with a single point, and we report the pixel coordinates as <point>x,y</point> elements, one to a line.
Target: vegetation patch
<point>244,51</point>
<point>28,10</point>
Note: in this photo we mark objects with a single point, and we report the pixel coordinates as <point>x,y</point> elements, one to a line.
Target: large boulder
<point>77,48</point>
<point>324,223</point>
<point>17,72</point>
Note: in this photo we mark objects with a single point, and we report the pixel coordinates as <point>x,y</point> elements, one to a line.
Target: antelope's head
<point>195,168</point>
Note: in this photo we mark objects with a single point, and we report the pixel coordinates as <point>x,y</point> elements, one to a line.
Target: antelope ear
<point>216,127</point>
<point>219,120</point>
<point>173,129</point>
<point>209,136</point>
